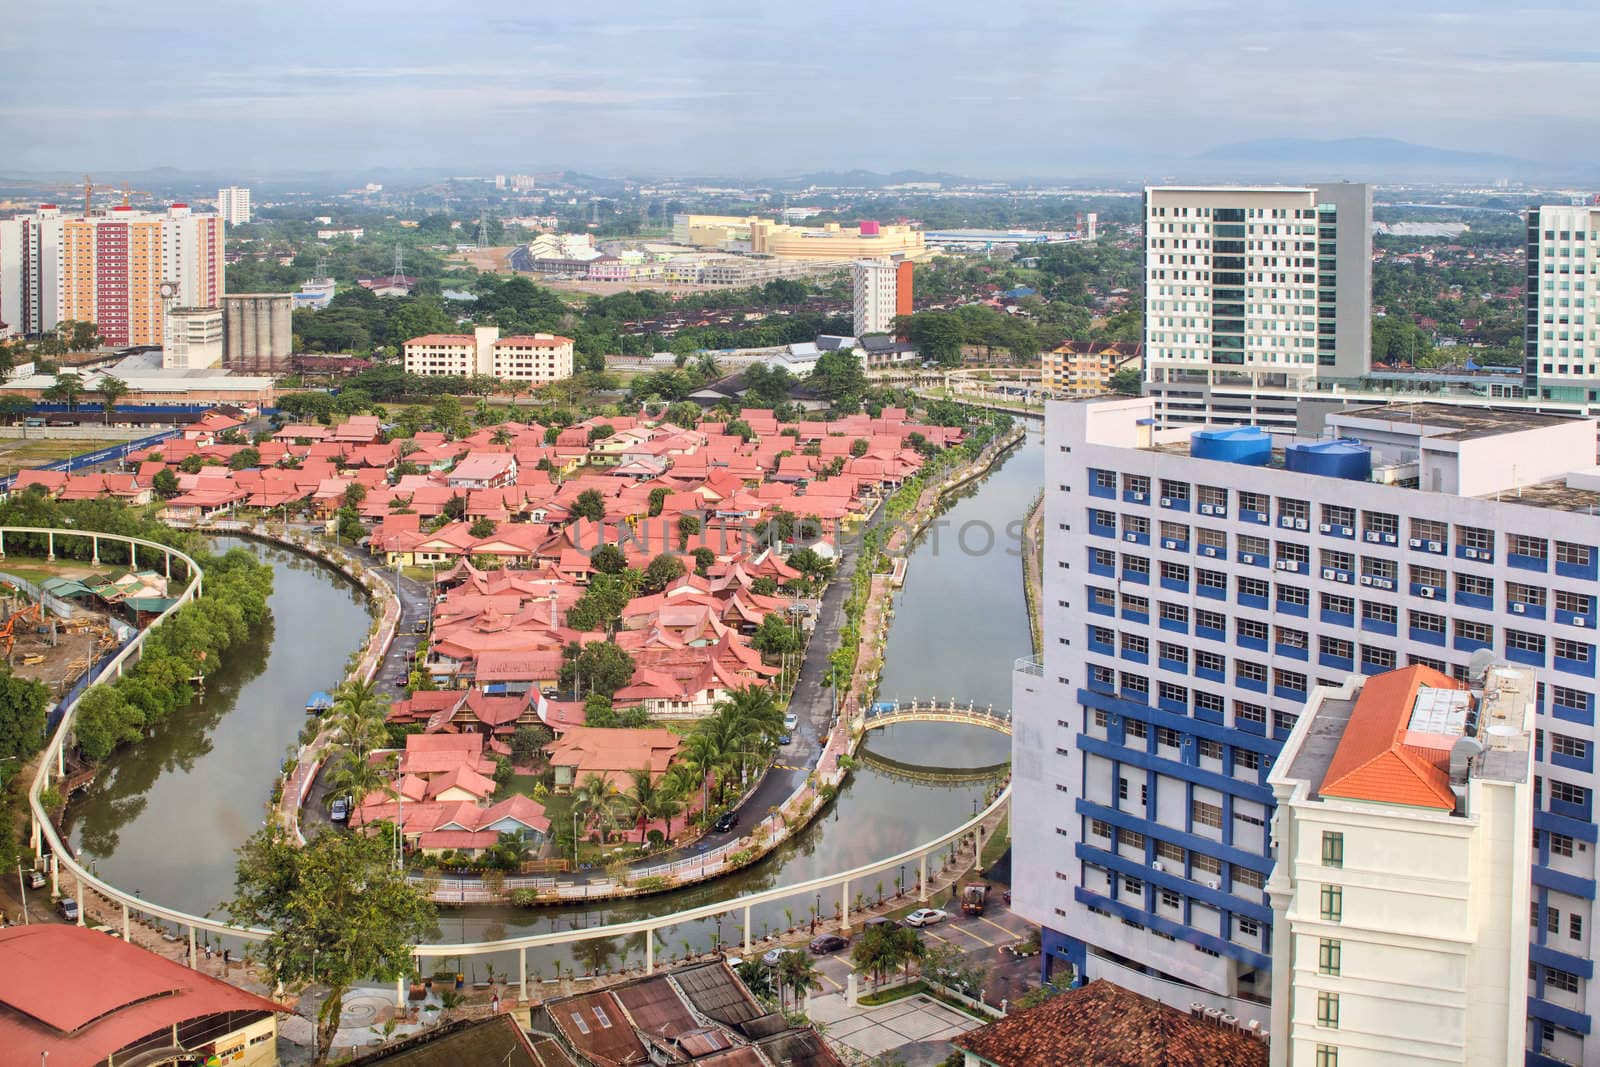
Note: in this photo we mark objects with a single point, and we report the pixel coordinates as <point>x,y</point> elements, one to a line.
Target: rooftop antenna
<point>399,276</point>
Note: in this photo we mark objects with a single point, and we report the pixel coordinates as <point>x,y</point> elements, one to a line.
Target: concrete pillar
<point>61,759</point>
<point>522,982</point>
<point>977,852</point>
<point>55,876</point>
<point>168,557</point>
<point>51,537</point>
<point>2,544</point>
<point>852,994</point>
<point>95,542</point>
<point>922,878</point>
<point>125,936</point>
<point>194,963</point>
<point>400,993</point>
<point>79,883</point>
<point>650,952</point>
<point>747,929</point>
<point>844,908</point>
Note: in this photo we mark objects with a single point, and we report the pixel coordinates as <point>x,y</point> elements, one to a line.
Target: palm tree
<point>355,777</point>
<point>501,437</point>
<point>676,785</point>
<point>356,730</point>
<point>797,974</point>
<point>521,845</point>
<point>595,800</point>
<point>111,389</point>
<point>704,756</point>
<point>642,799</point>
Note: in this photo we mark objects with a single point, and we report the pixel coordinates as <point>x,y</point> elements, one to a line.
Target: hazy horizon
<point>1032,89</point>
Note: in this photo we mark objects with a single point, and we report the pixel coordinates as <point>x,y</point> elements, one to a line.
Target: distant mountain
<point>1368,151</point>
<point>866,179</point>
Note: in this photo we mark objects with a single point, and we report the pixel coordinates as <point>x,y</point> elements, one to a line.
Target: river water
<point>165,816</point>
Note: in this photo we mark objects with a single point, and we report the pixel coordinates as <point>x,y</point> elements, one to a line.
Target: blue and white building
<point>1198,585</point>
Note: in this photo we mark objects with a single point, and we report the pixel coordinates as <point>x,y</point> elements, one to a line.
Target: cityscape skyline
<point>683,90</point>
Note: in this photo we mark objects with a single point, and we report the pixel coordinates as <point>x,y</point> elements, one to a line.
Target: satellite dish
<point>1478,666</point>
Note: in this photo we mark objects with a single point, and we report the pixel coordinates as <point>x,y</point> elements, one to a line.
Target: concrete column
<point>51,537</point>
<point>193,961</point>
<point>400,993</point>
<point>977,852</point>
<point>747,929</point>
<point>79,883</point>
<point>55,876</point>
<point>922,878</point>
<point>650,952</point>
<point>61,759</point>
<point>844,908</point>
<point>2,544</point>
<point>95,543</point>
<point>522,955</point>
<point>125,936</point>
<point>168,557</point>
<point>852,994</point>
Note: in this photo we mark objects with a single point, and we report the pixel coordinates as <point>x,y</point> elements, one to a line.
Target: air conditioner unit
<point>1470,553</point>
<point>1220,511</point>
<point>1519,609</point>
<point>1302,524</point>
<point>1246,558</point>
<point>1415,542</point>
<point>1579,620</point>
<point>1427,592</point>
<point>1286,522</point>
<point>1391,539</point>
<point>1140,497</point>
<point>1206,509</point>
<point>1166,501</point>
<point>1325,527</point>
<point>1212,883</point>
<point>1373,536</point>
<point>1208,550</point>
<point>1169,543</point>
<point>1329,574</point>
<point>1366,579</point>
<point>1434,546</point>
<point>1156,866</point>
<point>1130,536</point>
<point>1284,565</point>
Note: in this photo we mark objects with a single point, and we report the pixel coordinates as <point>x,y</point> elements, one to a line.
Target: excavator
<point>8,629</point>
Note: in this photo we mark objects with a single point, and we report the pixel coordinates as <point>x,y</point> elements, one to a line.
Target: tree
<point>22,716</point>
<point>596,802</point>
<point>111,389</point>
<point>688,526</point>
<point>609,559</point>
<point>244,459</point>
<point>483,527</point>
<point>527,744</point>
<point>66,389</point>
<point>165,483</point>
<point>643,799</point>
<point>859,446</point>
<point>797,974</point>
<point>600,667</point>
<point>338,909</point>
<point>775,637</point>
<point>741,429</point>
<point>658,499</point>
<point>1127,381</point>
<point>589,505</point>
<point>703,559</point>
<point>355,777</point>
<point>662,572</point>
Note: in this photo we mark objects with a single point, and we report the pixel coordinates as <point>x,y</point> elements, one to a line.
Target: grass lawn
<point>36,570</point>
<point>21,453</point>
<point>520,783</point>
<point>894,993</point>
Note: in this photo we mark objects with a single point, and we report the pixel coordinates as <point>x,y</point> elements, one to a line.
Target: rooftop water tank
<point>1344,458</point>
<point>1249,445</point>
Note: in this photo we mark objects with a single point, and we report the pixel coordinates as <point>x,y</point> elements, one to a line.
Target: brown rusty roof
<point>656,1007</point>
<point>1109,1026</point>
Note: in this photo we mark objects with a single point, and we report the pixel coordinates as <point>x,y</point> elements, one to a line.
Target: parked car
<point>881,920</point>
<point>826,943</point>
<point>68,909</point>
<point>36,879</point>
<point>725,822</point>
<point>926,917</point>
<point>785,738</point>
<point>774,956</point>
<point>791,722</point>
<point>339,810</point>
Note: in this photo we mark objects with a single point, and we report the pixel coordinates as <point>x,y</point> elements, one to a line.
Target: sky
<point>758,88</point>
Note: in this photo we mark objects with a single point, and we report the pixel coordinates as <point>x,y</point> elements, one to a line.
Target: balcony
<point>1029,665</point>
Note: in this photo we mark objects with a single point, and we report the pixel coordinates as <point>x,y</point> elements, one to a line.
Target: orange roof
<point>1380,757</point>
<point>443,339</point>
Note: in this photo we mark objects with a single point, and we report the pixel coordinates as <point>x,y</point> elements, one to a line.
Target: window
<point>1575,926</point>
<point>1338,515</point>
<point>1101,719</point>
<point>1573,650</point>
<point>1532,595</point>
<point>1283,723</point>
<point>1175,531</point>
<point>1204,864</point>
<point>1135,565</point>
<point>1427,576</point>
<point>1562,745</point>
<point>1136,605</point>
<point>1426,621</point>
<point>1168,738</point>
<point>1175,572</point>
<point>1373,611</point>
<point>1525,642</point>
<point>1253,502</point>
<point>1253,546</point>
<point>1099,828</point>
<point>1209,661</point>
<point>1248,928</point>
<point>1205,814</point>
<point>1244,877</point>
<point>1171,900</point>
<point>1332,903</point>
<point>1210,749</point>
<point>1175,613</point>
<point>1174,491</point>
<point>1176,694</point>
<point>1339,561</point>
<point>1252,587</point>
<point>1475,539</point>
<point>1212,498</point>
<point>1426,530</point>
<point>1332,848</point>
<point>1552,920</point>
<point>1560,844</point>
<point>1122,789</point>
<point>1210,620</point>
<point>1335,646</point>
<point>1131,839</point>
<point>1567,793</point>
<point>1574,555</point>
<point>1564,696</point>
<point>1382,523</point>
<point>1136,730</point>
<point>1577,603</point>
<point>1475,585</point>
<point>1556,978</point>
<point>1293,594</point>
<point>1103,557</point>
<point>1244,711</point>
<point>1212,539</point>
<point>1245,759</point>
<point>1250,630</point>
<point>1338,605</point>
<point>1211,580</point>
<point>1474,631</point>
<point>1103,598</point>
<point>1207,702</point>
<point>1327,1056</point>
<point>1245,671</point>
<point>1293,681</point>
<point>1135,645</point>
<point>1328,953</point>
<point>1525,545</point>
<point>1378,656</point>
<point>1328,1010</point>
<point>1134,887</point>
<point>1104,480</point>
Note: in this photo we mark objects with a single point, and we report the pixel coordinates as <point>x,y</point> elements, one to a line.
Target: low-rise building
<point>534,358</point>
<point>1085,368</point>
<point>1405,818</point>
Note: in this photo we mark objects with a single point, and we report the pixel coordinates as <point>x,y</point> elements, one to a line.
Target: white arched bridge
<point>889,712</point>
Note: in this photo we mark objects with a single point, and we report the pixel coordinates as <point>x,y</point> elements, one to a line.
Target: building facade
<point>1085,368</point>
<point>1191,603</point>
<point>258,330</point>
<point>882,290</point>
<point>118,268</point>
<point>193,339</point>
<point>1270,286</point>
<point>533,358</point>
<point>1401,890</point>
<point>1562,343</point>
<point>233,204</point>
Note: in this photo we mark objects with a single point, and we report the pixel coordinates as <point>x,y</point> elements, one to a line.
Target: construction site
<point>57,625</point>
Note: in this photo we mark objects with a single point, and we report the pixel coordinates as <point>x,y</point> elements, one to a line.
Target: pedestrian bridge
<point>889,712</point>
<point>922,775</point>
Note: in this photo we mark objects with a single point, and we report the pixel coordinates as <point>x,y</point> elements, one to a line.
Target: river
<point>203,779</point>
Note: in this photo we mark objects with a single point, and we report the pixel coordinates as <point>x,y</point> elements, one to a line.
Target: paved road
<point>416,603</point>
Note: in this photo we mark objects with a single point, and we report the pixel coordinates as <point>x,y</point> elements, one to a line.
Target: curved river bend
<point>165,816</point>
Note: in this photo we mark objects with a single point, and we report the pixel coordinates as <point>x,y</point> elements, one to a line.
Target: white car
<point>926,917</point>
<point>791,722</point>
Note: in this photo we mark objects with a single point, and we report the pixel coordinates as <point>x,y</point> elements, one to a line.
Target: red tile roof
<point>1380,757</point>
<point>1108,1026</point>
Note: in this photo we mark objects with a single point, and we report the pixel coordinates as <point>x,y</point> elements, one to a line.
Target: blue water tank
<point>1249,445</point>
<point>1344,458</point>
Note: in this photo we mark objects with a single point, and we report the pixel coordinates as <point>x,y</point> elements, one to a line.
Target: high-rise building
<point>233,204</point>
<point>536,358</point>
<point>1401,889</point>
<point>882,291</point>
<point>1199,586</point>
<point>1256,287</point>
<point>1562,339</point>
<point>118,269</point>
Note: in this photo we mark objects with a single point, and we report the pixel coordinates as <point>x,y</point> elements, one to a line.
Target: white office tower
<point>1562,360</point>
<point>876,283</point>
<point>1401,891</point>
<point>1251,292</point>
<point>233,204</point>
<point>1199,584</point>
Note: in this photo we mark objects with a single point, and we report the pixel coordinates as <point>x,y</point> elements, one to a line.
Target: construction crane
<point>126,192</point>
